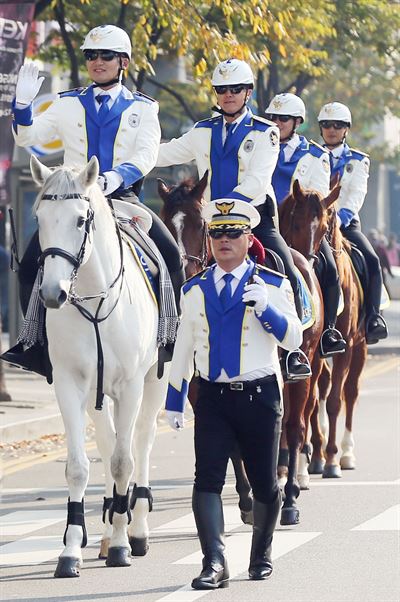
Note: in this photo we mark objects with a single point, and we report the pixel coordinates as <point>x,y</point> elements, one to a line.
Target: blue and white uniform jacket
<point>241,169</point>
<point>236,340</point>
<point>126,142</point>
<point>309,164</point>
<point>353,169</point>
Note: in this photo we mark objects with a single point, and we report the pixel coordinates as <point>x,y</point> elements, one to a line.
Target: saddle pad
<point>307,302</point>
<point>149,279</point>
<point>125,212</point>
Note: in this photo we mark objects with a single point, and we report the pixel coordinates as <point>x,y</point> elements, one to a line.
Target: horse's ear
<point>332,196</point>
<point>163,189</point>
<point>297,191</point>
<point>39,172</point>
<point>199,188</point>
<point>89,175</point>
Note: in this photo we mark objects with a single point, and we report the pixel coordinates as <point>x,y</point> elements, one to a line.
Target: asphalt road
<point>346,547</point>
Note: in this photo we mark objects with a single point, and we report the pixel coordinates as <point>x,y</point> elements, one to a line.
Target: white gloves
<point>257,292</point>
<point>109,181</point>
<point>28,84</point>
<point>176,420</point>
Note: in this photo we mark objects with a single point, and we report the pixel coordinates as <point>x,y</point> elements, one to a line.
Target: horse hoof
<point>316,466</point>
<point>347,462</point>
<point>67,567</point>
<point>118,556</point>
<point>290,516</point>
<point>332,471</point>
<point>104,545</point>
<point>247,517</point>
<point>139,545</point>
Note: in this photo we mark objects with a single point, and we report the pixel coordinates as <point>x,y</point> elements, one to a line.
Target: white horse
<point>85,263</point>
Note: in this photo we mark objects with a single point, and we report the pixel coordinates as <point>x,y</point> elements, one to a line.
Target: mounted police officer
<point>307,162</point>
<point>106,120</point>
<point>352,166</point>
<point>234,316</point>
<point>240,151</point>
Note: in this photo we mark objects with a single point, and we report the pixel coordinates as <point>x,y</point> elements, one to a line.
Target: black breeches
<point>354,235</point>
<point>331,276</point>
<point>270,238</point>
<point>248,418</point>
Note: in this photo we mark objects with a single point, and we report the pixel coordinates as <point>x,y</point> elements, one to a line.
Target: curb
<point>31,429</point>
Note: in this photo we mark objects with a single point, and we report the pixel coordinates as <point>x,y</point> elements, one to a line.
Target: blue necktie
<point>281,158</point>
<point>226,293</point>
<point>102,99</point>
<point>228,127</point>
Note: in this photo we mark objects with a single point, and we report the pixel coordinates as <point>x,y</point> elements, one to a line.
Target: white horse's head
<point>65,219</point>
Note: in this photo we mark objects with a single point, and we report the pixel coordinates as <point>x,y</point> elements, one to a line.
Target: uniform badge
<point>133,120</point>
<point>277,104</point>
<point>248,146</point>
<point>273,136</point>
<point>349,168</point>
<point>225,208</point>
<point>290,296</point>
<point>366,165</point>
<point>325,164</point>
<point>303,169</point>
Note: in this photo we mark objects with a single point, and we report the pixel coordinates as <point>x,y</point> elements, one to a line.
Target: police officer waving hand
<point>233,328</point>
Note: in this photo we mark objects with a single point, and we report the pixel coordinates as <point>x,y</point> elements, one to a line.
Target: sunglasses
<point>217,234</point>
<point>283,118</point>
<point>232,89</point>
<point>337,125</point>
<point>105,55</point>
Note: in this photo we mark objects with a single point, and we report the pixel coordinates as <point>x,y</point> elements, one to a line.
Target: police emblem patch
<point>248,146</point>
<point>273,136</point>
<point>277,104</point>
<point>225,208</point>
<point>133,120</point>
<point>349,168</point>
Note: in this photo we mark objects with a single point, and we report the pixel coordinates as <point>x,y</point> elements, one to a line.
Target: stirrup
<point>341,343</point>
<point>289,376</point>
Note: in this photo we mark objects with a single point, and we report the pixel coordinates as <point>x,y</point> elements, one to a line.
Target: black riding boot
<point>208,513</point>
<point>35,359</point>
<point>375,325</point>
<point>331,340</point>
<point>294,364</point>
<point>265,517</point>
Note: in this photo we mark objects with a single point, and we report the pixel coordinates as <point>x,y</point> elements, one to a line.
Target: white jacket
<point>353,169</point>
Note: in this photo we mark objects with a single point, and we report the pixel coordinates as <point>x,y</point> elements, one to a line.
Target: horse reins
<point>74,299</point>
<point>203,259</point>
<point>310,256</point>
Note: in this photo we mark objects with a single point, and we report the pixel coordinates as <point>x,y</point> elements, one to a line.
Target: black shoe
<point>375,329</point>
<point>33,359</point>
<point>257,573</point>
<point>331,342</point>
<point>212,576</point>
<point>295,366</point>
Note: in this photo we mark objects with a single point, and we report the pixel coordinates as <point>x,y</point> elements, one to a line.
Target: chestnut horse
<point>344,379</point>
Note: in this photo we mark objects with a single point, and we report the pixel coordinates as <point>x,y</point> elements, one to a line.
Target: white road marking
<point>389,520</point>
<point>23,522</point>
<point>35,550</point>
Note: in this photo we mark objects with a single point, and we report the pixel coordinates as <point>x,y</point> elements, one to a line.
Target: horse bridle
<point>310,256</point>
<point>202,260</point>
<point>76,261</point>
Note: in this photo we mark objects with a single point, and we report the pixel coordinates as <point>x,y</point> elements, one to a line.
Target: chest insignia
<point>248,146</point>
<point>349,168</point>
<point>273,136</point>
<point>133,120</point>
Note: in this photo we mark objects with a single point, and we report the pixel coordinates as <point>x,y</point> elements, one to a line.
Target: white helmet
<point>335,111</point>
<point>232,72</point>
<point>108,37</point>
<point>287,104</point>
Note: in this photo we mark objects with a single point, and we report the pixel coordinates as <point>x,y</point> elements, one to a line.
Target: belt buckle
<point>236,386</point>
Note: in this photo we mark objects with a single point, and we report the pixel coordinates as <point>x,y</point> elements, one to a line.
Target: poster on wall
<point>15,22</point>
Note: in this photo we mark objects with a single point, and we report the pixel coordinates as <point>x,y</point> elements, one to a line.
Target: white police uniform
<point>235,340</point>
<point>126,142</point>
<point>240,169</point>
<point>353,169</point>
<point>302,160</point>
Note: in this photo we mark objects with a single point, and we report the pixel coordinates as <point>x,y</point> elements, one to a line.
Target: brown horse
<point>303,222</point>
<point>344,379</point>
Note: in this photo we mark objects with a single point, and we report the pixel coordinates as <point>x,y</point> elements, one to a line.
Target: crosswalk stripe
<point>23,522</point>
<point>389,520</point>
<point>35,549</point>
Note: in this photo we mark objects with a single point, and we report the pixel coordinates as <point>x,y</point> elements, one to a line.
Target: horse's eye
<point>81,221</point>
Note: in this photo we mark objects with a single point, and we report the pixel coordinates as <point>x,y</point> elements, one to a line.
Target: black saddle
<point>274,262</point>
<point>360,266</point>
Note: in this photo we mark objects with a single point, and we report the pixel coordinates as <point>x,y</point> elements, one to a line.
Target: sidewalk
<point>33,411</point>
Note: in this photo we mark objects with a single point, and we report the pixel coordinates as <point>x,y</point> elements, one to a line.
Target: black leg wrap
<point>141,492</point>
<point>107,501</point>
<point>283,458</point>
<point>76,516</point>
<point>120,504</point>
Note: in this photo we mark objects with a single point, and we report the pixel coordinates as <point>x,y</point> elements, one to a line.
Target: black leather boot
<point>265,517</point>
<point>331,342</point>
<point>34,359</point>
<point>208,513</point>
<point>375,328</point>
<point>294,365</point>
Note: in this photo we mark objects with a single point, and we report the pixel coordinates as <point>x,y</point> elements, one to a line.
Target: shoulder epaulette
<point>263,120</point>
<point>206,122</point>
<point>322,148</point>
<point>143,97</point>
<point>355,151</point>
<point>187,285</point>
<point>71,92</point>
<point>263,268</point>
